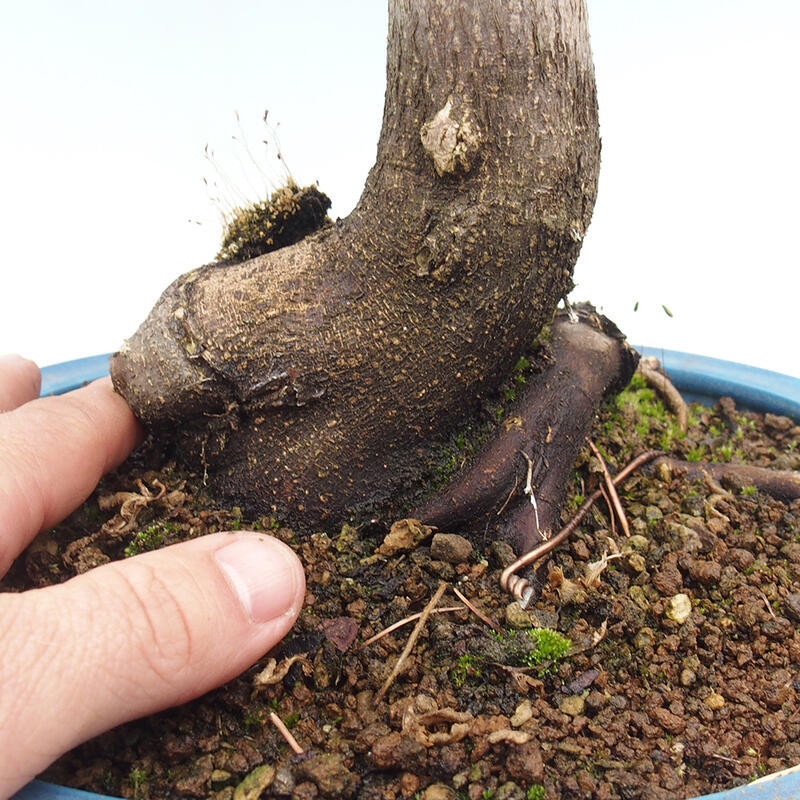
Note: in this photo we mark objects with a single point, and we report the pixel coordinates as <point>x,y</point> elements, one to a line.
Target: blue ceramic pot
<point>698,377</point>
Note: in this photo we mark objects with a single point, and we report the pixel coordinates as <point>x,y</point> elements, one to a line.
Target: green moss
<point>541,648</point>
<point>237,517</point>
<point>138,781</point>
<point>695,454</point>
<point>151,538</point>
<point>254,717</point>
<point>467,668</point>
<point>288,216</point>
<point>725,452</point>
<point>522,366</point>
<point>640,407</point>
<point>461,446</point>
<point>549,647</point>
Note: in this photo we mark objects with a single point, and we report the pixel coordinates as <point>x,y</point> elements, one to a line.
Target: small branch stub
<point>451,144</point>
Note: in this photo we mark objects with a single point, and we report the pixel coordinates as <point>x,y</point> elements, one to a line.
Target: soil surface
<point>680,676</point>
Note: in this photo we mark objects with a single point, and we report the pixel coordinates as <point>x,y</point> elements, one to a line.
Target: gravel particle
<point>405,534</point>
<point>679,608</point>
<point>219,777</point>
<point>670,722</point>
<point>791,550</point>
<point>396,751</point>
<point>668,579</point>
<point>516,616</point>
<point>330,774</point>
<point>522,713</point>
<point>637,594</point>
<point>450,547</point>
<point>688,677</point>
<point>704,572</point>
<point>645,637</point>
<point>509,791</point>
<point>254,784</point>
<point>438,791</point>
<point>637,562</point>
<point>739,558</point>
<point>653,513</point>
<point>793,605</point>
<point>714,701</point>
<point>524,762</point>
<point>572,705</point>
<point>639,543</point>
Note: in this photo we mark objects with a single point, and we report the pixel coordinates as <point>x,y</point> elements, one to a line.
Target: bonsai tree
<point>318,380</point>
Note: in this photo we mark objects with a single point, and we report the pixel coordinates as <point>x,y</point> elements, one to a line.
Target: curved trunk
<point>316,379</point>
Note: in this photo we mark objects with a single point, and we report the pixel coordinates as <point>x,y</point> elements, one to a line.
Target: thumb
<point>134,637</point>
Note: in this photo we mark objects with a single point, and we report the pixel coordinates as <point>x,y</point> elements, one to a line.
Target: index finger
<point>53,451</point>
<point>20,381</point>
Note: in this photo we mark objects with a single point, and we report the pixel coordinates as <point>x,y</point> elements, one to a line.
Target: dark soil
<point>681,679</point>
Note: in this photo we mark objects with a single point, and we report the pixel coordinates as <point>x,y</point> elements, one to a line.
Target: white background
<point>107,108</point>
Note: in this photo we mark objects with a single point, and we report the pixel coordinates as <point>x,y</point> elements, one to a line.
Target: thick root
<point>518,482</point>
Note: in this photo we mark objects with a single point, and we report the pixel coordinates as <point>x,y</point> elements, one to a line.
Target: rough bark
<point>316,380</point>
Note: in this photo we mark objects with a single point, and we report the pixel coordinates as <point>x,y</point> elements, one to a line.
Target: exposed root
<point>783,485</point>
<point>286,733</point>
<point>130,504</point>
<point>588,361</point>
<point>615,505</point>
<point>423,726</point>
<point>520,587</point>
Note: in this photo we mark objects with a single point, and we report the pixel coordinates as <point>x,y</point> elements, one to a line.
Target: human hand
<point>129,638</point>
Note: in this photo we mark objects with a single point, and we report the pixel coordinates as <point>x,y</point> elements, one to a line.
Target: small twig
<point>770,609</point>
<point>445,609</point>
<point>285,732</point>
<point>726,759</point>
<point>399,624</point>
<point>508,499</point>
<point>616,504</point>
<point>520,588</point>
<point>423,618</point>
<point>479,614</point>
<point>611,515</point>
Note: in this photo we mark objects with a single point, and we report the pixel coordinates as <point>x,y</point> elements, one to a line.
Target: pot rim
<point>701,378</point>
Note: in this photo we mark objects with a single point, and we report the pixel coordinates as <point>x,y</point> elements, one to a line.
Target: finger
<point>20,381</point>
<point>52,453</point>
<point>134,637</point>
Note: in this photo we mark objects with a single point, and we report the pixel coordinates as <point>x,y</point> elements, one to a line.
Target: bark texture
<point>315,380</point>
<point>515,486</point>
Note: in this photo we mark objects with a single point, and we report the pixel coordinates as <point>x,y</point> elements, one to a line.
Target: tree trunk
<point>318,380</point>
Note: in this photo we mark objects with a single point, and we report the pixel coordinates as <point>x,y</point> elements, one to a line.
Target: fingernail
<point>263,573</point>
